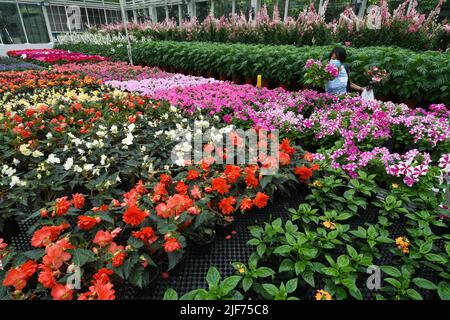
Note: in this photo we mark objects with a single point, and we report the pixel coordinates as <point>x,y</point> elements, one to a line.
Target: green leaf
<point>444,290</point>
<point>414,294</point>
<point>229,284</point>
<point>343,261</point>
<point>247,283</point>
<point>392,271</point>
<point>213,277</point>
<point>394,282</point>
<point>270,289</point>
<point>170,294</point>
<point>35,254</point>
<point>291,285</point>
<point>283,250</point>
<point>82,256</point>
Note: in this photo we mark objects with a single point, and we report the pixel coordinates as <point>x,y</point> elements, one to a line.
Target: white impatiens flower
<point>68,164</point>
<point>52,159</point>
<point>8,171</point>
<point>25,150</point>
<point>37,154</point>
<point>16,181</point>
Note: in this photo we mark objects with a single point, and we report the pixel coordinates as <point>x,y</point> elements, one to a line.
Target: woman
<point>342,83</point>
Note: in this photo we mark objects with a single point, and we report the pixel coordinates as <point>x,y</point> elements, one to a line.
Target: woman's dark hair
<point>340,54</point>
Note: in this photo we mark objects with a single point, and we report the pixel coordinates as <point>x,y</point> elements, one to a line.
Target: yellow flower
<point>323,295</point>
<point>317,184</point>
<point>329,225</point>
<point>395,185</point>
<point>403,244</point>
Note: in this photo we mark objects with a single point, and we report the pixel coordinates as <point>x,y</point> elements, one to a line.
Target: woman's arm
<point>356,87</point>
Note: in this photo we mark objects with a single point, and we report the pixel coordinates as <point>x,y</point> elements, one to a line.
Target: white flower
<point>68,164</point>
<point>37,154</point>
<point>16,162</point>
<point>49,136</point>
<point>114,129</point>
<point>103,159</point>
<point>88,167</point>
<point>128,140</point>
<point>25,150</point>
<point>8,171</point>
<point>131,127</point>
<point>52,159</point>
<point>16,181</point>
<point>77,168</point>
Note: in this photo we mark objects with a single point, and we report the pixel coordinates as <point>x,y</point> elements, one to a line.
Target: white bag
<point>367,95</point>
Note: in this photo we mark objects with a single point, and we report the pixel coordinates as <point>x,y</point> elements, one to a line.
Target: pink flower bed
<point>53,56</point>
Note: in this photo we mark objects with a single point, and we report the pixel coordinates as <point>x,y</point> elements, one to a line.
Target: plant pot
<point>10,229</point>
<point>204,246</point>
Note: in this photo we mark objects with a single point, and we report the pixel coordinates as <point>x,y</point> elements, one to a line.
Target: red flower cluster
<point>19,276</point>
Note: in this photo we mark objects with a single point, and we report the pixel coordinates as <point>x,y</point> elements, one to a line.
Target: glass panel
<point>161,13</point>
<point>173,12</point>
<point>34,21</point>
<point>222,8</point>
<point>335,8</point>
<point>11,30</point>
<point>84,18</point>
<point>202,10</point>
<point>184,12</point>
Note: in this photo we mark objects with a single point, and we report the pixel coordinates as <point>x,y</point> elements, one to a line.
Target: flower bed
<point>12,83</point>
<point>53,56</point>
<point>10,64</point>
<point>117,71</point>
<point>113,191</point>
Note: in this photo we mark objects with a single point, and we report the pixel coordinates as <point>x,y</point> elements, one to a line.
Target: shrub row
<point>421,76</point>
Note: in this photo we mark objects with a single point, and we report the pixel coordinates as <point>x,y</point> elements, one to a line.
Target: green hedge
<point>423,76</point>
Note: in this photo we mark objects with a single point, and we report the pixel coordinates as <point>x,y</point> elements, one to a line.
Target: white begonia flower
<point>16,161</point>
<point>131,127</point>
<point>25,150</point>
<point>114,129</point>
<point>101,133</point>
<point>77,168</point>
<point>173,108</point>
<point>166,167</point>
<point>37,154</point>
<point>96,172</point>
<point>65,148</point>
<point>80,151</point>
<point>49,135</point>
<point>52,159</point>
<point>128,140</point>
<point>68,164</point>
<point>165,116</point>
